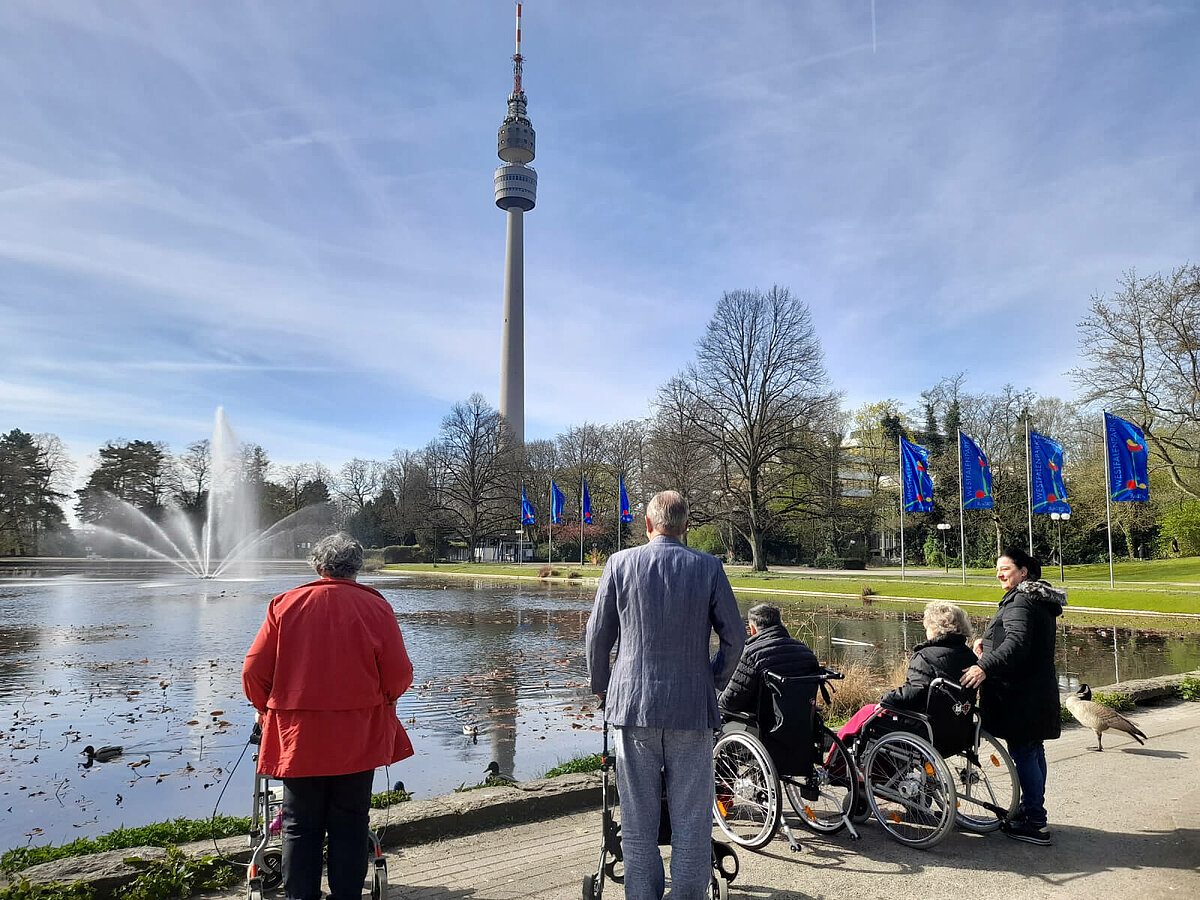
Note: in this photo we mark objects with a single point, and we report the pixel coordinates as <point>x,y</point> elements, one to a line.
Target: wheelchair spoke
<point>746,803</point>
<point>910,789</point>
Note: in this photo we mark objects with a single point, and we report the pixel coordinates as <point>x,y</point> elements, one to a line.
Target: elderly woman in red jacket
<point>324,673</point>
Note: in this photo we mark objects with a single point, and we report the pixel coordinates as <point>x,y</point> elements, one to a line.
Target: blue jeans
<point>1030,760</point>
<point>644,756</point>
<point>335,804</point>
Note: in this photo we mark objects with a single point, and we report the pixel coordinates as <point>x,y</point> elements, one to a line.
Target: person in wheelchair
<point>944,654</point>
<point>770,648</point>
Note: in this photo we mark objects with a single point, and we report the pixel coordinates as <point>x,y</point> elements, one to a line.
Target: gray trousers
<point>643,756</point>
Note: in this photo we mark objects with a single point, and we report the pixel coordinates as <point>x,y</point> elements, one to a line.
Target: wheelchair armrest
<point>744,717</point>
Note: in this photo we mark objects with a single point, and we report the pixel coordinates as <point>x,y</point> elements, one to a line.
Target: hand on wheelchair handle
<point>973,677</point>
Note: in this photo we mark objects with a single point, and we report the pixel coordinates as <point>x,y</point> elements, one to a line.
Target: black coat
<point>772,649</point>
<point>1019,697</point>
<point>946,656</point>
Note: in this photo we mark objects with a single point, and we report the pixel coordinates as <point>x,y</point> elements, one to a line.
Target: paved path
<point>1126,824</point>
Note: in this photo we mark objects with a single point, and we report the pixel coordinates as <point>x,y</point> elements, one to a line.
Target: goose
<point>1100,718</point>
<point>494,776</point>
<point>104,754</point>
<point>471,729</point>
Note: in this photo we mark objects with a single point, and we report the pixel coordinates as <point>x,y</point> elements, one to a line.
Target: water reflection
<point>136,657</point>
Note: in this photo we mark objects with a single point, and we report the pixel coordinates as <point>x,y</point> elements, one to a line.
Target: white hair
<point>668,513</point>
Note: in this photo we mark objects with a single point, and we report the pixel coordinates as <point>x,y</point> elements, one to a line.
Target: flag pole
<point>581,515</point>
<point>550,542</point>
<point>521,527</point>
<point>619,483</point>
<point>962,531</point>
<point>1029,481</point>
<point>1108,505</point>
<point>900,450</point>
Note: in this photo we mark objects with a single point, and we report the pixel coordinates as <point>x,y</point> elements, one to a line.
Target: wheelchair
<point>923,773</point>
<point>783,749</point>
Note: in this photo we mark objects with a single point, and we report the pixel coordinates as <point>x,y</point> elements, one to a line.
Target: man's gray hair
<point>764,615</point>
<point>668,513</point>
<point>337,556</point>
<point>946,618</point>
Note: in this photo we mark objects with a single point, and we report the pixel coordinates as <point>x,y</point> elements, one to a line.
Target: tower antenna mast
<point>518,60</point>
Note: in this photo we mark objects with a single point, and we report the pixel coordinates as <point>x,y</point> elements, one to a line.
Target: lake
<point>131,654</point>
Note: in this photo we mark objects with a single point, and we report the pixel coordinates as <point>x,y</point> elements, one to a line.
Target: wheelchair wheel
<point>992,781</point>
<point>836,777</point>
<point>747,805</point>
<point>910,789</point>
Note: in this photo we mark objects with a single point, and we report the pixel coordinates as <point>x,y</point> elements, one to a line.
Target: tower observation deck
<point>516,194</point>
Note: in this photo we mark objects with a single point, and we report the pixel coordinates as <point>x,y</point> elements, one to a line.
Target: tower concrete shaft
<point>516,194</point>
<point>512,338</point>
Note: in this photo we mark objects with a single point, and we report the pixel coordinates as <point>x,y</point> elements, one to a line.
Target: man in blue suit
<point>662,601</point>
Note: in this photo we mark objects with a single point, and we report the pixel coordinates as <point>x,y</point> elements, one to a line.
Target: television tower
<point>516,194</point>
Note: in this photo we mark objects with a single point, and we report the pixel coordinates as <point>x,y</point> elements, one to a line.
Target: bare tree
<point>679,457</point>
<point>195,472</point>
<point>472,470</point>
<point>357,483</point>
<point>759,385</point>
<point>1144,348</point>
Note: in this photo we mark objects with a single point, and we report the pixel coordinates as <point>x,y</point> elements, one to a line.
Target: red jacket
<point>325,671</point>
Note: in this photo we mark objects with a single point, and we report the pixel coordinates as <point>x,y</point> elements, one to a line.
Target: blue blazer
<point>662,601</point>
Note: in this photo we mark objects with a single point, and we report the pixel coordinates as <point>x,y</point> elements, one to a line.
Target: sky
<point>286,208</point>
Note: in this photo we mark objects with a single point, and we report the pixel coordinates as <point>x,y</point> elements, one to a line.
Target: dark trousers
<point>1030,762</point>
<point>337,805</point>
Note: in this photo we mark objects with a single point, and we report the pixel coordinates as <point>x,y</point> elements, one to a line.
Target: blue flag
<point>557,500</point>
<point>1128,478</point>
<point>587,504</point>
<point>1049,492</point>
<point>914,472</point>
<point>626,515</point>
<point>526,509</point>
<point>976,475</point>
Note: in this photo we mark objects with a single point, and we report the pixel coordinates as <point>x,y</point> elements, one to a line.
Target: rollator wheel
<point>992,781</point>
<point>254,890</point>
<point>591,887</point>
<point>718,888</point>
<point>747,805</point>
<point>837,779</point>
<point>379,881</point>
<point>910,789</point>
<point>270,871</point>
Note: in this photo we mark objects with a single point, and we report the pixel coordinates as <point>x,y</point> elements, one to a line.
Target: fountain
<point>229,534</point>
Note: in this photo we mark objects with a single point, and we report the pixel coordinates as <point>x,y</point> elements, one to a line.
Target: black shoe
<point>1030,834</point>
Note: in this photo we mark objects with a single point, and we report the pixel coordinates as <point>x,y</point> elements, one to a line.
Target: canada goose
<point>1100,718</point>
<point>104,754</point>
<point>494,776</point>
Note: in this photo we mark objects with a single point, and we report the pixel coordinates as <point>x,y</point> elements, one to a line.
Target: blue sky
<point>286,207</point>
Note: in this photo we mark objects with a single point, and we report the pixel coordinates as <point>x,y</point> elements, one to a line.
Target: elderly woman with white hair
<point>944,654</point>
<point>324,673</point>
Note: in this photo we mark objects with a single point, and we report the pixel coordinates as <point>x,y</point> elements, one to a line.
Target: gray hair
<point>764,615</point>
<point>946,618</point>
<point>337,556</point>
<point>668,513</point>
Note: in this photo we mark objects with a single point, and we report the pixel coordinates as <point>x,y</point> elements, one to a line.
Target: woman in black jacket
<point>944,654</point>
<point>1018,682</point>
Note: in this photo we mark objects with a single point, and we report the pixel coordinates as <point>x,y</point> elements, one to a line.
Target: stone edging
<point>415,822</point>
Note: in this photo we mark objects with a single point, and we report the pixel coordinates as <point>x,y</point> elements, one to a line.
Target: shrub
<point>548,571</point>
<point>1116,700</point>
<point>1064,715</point>
<point>1189,688</point>
<point>828,561</point>
<point>573,574</point>
<point>24,890</point>
<point>868,591</point>
<point>384,799</point>
<point>706,539</point>
<point>861,685</point>
<point>578,764</point>
<point>178,876</point>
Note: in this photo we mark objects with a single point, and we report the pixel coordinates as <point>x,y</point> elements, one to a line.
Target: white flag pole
<point>962,531</point>
<point>620,482</point>
<point>581,487</point>
<point>1108,508</point>
<point>900,450</point>
<point>1029,480</point>
<point>550,543</point>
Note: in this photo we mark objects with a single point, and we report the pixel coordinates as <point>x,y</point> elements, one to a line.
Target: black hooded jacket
<point>772,649</point>
<point>946,656</point>
<point>1019,697</point>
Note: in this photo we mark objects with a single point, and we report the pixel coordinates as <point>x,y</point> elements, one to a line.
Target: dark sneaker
<point>1030,834</point>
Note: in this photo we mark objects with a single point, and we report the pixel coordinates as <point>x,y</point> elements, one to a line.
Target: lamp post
<point>943,527</point>
<point>520,534</point>
<point>1060,518</point>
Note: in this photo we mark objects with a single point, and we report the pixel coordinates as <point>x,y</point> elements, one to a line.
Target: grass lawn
<point>1153,585</point>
